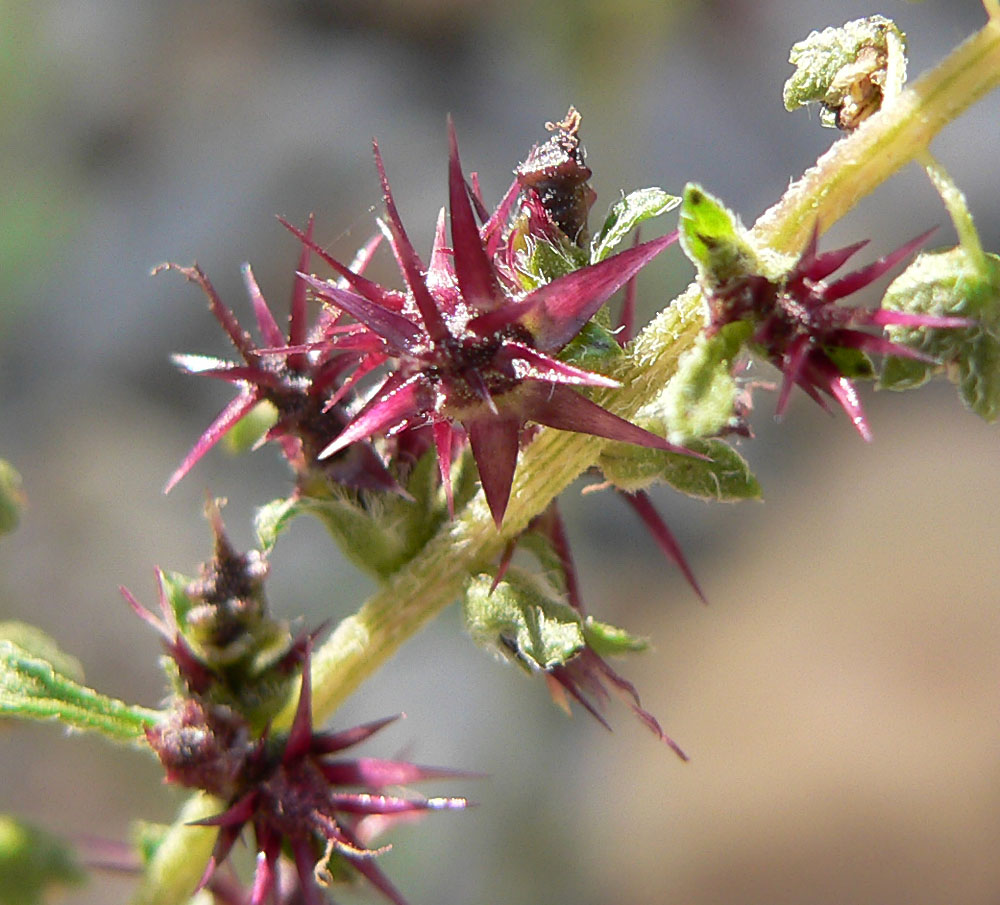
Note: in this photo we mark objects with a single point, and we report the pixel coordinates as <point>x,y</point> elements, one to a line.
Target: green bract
<point>523,619</point>
<point>526,620</point>
<point>699,401</point>
<point>381,532</point>
<point>251,428</point>
<point>713,238</point>
<point>950,283</point>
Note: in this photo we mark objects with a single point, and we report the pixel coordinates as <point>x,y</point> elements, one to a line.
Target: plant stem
<point>958,209</point>
<point>362,643</point>
<point>857,164</point>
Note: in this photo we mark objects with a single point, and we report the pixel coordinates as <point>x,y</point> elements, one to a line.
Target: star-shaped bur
<point>473,354</point>
<point>295,792</point>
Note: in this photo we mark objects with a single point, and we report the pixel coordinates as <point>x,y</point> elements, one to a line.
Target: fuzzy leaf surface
<point>524,619</point>
<point>726,477</point>
<point>699,400</point>
<point>37,643</point>
<point>859,62</point>
<point>625,215</point>
<point>609,640</point>
<point>33,688</point>
<point>943,284</point>
<point>712,238</point>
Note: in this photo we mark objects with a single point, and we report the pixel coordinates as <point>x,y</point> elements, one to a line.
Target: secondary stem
<point>958,209</point>
<point>851,169</point>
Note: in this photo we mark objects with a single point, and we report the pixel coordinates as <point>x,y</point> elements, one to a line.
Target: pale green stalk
<point>958,209</point>
<point>362,643</point>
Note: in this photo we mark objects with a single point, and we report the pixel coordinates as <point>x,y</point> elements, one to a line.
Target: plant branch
<point>362,643</point>
<point>958,209</point>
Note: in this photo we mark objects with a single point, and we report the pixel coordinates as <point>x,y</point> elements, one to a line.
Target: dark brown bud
<point>557,173</point>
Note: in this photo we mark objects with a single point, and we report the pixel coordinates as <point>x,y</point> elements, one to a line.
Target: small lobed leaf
<point>726,477</point>
<point>33,863</point>
<point>950,283</point>
<point>625,215</point>
<point>524,619</point>
<point>699,401</point>
<point>33,688</point>
<point>848,70</point>
<point>12,498</point>
<point>713,238</point>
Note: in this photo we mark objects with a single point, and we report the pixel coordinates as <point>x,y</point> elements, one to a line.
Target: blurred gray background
<point>839,697</point>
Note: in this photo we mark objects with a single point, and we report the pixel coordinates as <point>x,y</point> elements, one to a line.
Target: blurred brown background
<point>839,697</point>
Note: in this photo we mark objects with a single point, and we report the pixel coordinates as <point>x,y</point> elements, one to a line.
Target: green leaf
<point>593,348</point>
<point>713,238</point>
<point>950,283</point>
<point>523,619</point>
<point>271,520</point>
<point>725,478</point>
<point>35,642</point>
<point>609,641</point>
<point>243,435</point>
<point>848,70</point>
<point>33,863</point>
<point>33,688</point>
<point>700,399</point>
<point>852,363</point>
<point>12,498</point>
<point>548,261</point>
<point>625,215</point>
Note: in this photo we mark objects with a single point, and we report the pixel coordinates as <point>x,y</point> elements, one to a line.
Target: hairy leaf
<point>625,215</point>
<point>944,284</point>
<point>726,477</point>
<point>712,237</point>
<point>33,688</point>
<point>523,619</point>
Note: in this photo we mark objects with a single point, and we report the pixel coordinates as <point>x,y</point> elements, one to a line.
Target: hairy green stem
<point>851,169</point>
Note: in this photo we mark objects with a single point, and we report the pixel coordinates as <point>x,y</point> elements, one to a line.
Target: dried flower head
<point>304,376</point>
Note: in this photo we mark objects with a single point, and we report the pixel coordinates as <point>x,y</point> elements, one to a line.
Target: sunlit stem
<point>863,160</point>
